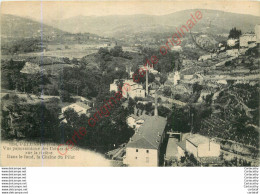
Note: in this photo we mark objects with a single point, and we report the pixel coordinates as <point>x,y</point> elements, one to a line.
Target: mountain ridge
<point>20,27</point>
<point>113,25</point>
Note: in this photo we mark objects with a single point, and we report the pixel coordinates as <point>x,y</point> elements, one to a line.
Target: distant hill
<point>23,35</point>
<point>18,27</point>
<point>118,26</point>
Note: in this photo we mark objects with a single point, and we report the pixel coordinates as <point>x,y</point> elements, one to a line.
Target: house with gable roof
<point>79,107</point>
<point>143,149</point>
<point>31,68</point>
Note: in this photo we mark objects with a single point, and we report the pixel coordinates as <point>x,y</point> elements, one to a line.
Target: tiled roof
<point>141,143</point>
<point>182,144</point>
<point>85,106</point>
<point>137,117</point>
<point>197,139</point>
<point>30,68</point>
<point>149,134</point>
<point>141,117</point>
<point>133,116</point>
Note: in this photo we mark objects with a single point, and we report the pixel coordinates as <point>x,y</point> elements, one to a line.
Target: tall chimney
<point>155,106</point>
<point>130,71</point>
<point>191,130</point>
<point>146,85</point>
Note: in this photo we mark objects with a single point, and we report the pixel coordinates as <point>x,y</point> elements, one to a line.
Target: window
<point>147,159</point>
<point>147,151</point>
<point>136,150</point>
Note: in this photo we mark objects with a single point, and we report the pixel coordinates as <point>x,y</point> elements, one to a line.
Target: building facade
<point>246,39</point>
<point>200,146</point>
<point>142,157</point>
<point>133,89</point>
<point>78,107</point>
<point>143,149</point>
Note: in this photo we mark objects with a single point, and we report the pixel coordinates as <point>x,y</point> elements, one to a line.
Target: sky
<point>50,10</point>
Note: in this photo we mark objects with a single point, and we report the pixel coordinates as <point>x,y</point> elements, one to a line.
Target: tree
<point>208,99</point>
<point>76,79</point>
<point>103,51</point>
<point>140,106</point>
<point>65,96</point>
<point>75,83</point>
<point>71,117</point>
<point>197,88</point>
<point>29,121</point>
<point>116,51</point>
<point>164,112</point>
<point>163,78</point>
<point>151,77</point>
<point>179,119</point>
<point>167,91</point>
<point>74,61</point>
<point>234,33</point>
<point>66,60</point>
<point>131,105</point>
<point>127,55</point>
<point>167,63</point>
<point>148,108</point>
<point>177,97</point>
<point>107,57</point>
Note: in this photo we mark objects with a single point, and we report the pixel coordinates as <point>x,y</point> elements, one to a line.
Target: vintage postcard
<point>127,83</point>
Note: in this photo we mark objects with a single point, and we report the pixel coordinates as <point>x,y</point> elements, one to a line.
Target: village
<point>183,112</point>
<point>146,145</point>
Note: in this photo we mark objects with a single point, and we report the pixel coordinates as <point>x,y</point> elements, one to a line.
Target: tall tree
<point>234,33</point>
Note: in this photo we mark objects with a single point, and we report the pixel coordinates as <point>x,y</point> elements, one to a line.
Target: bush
<point>65,96</point>
<point>167,91</point>
<point>116,51</point>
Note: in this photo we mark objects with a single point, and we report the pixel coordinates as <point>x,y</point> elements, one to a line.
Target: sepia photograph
<point>130,83</point>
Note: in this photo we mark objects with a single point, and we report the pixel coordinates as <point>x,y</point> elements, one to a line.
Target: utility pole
<point>155,106</point>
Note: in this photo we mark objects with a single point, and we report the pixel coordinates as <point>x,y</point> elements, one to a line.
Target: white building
<point>246,39</point>
<point>82,99</point>
<point>176,78</point>
<point>232,42</point>
<point>137,92</point>
<point>134,121</point>
<point>177,48</point>
<point>149,68</point>
<point>143,149</point>
<point>232,52</point>
<point>204,57</point>
<point>114,86</point>
<point>31,68</point>
<point>222,81</point>
<point>78,107</point>
<point>134,89</point>
<point>200,146</point>
<point>187,77</point>
<point>131,89</point>
<point>153,71</point>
